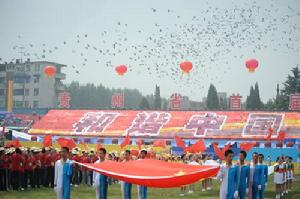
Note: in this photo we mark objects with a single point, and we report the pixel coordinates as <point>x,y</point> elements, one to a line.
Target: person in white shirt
<point>100,182</point>
<point>63,174</point>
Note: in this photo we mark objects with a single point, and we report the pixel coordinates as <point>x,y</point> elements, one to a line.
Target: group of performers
<point>21,167</point>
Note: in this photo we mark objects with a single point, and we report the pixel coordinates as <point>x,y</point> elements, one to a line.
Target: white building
<point>32,88</point>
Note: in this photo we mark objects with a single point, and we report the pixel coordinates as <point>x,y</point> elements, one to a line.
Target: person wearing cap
<point>76,158</point>
<point>125,186</point>
<point>29,169</point>
<point>93,159</point>
<point>17,169</point>
<point>37,170</point>
<point>84,170</point>
<point>63,175</point>
<point>3,169</point>
<point>142,190</point>
<point>100,182</point>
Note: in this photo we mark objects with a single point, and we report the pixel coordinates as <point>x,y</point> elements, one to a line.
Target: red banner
<point>168,124</point>
<point>154,173</point>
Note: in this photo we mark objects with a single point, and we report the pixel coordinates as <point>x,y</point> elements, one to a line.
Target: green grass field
<point>84,192</point>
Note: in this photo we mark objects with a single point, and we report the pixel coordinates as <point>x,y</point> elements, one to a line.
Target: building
<point>31,87</point>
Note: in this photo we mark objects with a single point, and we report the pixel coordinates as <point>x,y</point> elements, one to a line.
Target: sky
<point>152,37</point>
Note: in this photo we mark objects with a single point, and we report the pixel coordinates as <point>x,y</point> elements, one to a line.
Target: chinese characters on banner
<point>295,102</point>
<point>64,99</point>
<point>94,122</point>
<point>175,101</point>
<point>117,100</point>
<point>235,102</point>
<point>148,123</point>
<point>259,124</point>
<point>207,123</point>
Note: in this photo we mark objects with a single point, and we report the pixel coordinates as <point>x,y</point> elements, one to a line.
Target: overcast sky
<point>153,37</point>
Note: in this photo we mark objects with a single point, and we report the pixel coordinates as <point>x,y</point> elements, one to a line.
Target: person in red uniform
<point>37,170</point>
<point>24,177</point>
<point>29,169</point>
<point>76,158</point>
<point>3,169</point>
<point>17,168</point>
<point>84,170</point>
<point>48,168</point>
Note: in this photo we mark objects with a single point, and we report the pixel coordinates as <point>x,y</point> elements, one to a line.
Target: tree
<point>212,101</point>
<point>250,99</point>
<point>257,103</point>
<point>253,101</point>
<point>157,99</point>
<point>290,86</point>
<point>144,104</point>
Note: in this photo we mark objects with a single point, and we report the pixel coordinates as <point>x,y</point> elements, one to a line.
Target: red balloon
<point>251,65</point>
<point>186,66</point>
<point>50,71</point>
<point>121,69</point>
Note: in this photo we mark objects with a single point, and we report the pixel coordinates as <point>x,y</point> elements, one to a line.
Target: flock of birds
<point>206,39</point>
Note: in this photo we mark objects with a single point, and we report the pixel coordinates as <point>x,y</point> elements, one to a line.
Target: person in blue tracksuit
<point>142,190</point>
<point>255,177</point>
<point>63,174</point>
<point>228,175</point>
<point>264,176</point>
<point>126,186</point>
<point>244,175</point>
<point>100,182</point>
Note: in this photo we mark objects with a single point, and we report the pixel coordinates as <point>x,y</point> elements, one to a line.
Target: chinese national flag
<point>247,146</point>
<point>160,143</point>
<point>269,134</point>
<point>179,142</point>
<point>197,147</point>
<point>126,141</point>
<point>16,143</point>
<point>47,141</point>
<point>281,136</point>
<point>139,143</point>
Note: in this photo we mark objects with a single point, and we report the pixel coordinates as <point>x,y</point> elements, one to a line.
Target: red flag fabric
<point>154,173</point>
<point>16,143</point>
<point>247,146</point>
<point>269,134</point>
<point>221,153</point>
<point>139,143</point>
<point>9,144</point>
<point>126,141</point>
<point>281,136</point>
<point>47,141</point>
<point>197,147</point>
<point>65,142</point>
<point>160,143</point>
<point>134,152</point>
<point>179,142</point>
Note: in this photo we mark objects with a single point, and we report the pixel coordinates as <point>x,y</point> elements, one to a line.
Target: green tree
<point>144,104</point>
<point>212,101</point>
<point>250,99</point>
<point>257,103</point>
<point>290,86</point>
<point>157,99</point>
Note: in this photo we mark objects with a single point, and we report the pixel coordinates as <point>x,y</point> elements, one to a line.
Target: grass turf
<point>85,192</point>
